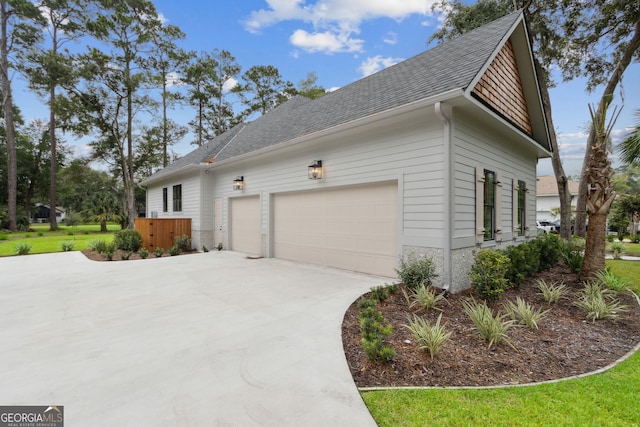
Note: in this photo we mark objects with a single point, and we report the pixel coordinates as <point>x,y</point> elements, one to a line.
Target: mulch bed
<point>566,343</point>
<point>117,255</point>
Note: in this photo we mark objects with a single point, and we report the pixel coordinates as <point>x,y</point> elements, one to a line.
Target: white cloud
<point>326,42</point>
<point>375,64</point>
<point>229,84</point>
<point>336,18</point>
<point>391,38</point>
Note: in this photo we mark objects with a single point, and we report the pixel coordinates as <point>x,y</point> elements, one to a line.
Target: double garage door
<point>353,228</point>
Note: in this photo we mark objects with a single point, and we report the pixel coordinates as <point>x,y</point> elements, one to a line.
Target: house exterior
<point>547,198</point>
<point>435,156</point>
<point>41,213</point>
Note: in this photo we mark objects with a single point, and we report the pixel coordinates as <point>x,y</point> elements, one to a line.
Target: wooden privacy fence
<point>161,232</point>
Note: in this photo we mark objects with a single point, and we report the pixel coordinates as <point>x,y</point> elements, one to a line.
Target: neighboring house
<point>434,156</point>
<point>41,213</point>
<point>548,200</point>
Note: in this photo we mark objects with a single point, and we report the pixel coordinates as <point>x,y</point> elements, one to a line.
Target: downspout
<point>448,194</point>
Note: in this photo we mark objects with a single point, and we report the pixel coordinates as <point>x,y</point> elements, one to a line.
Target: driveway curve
<point>209,339</point>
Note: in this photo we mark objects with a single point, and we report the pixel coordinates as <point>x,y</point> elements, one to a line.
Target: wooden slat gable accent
<point>500,88</point>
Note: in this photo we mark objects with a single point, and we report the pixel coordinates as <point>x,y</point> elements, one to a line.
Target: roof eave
<point>153,179</point>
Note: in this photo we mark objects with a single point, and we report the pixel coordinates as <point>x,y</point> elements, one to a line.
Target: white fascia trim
<point>182,170</point>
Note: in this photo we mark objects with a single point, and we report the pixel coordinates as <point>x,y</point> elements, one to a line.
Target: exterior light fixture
<point>238,183</point>
<point>315,170</point>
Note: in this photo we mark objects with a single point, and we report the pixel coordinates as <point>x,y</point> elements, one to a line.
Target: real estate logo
<point>32,416</point>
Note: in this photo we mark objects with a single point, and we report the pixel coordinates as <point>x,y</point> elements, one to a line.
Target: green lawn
<point>632,249</point>
<point>608,399</point>
<point>51,241</point>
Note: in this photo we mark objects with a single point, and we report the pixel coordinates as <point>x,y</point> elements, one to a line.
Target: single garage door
<point>353,228</point>
<point>245,224</point>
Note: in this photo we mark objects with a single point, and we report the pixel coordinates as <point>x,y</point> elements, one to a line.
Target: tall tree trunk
<point>556,162</point>
<point>165,160</point>
<point>53,221</point>
<point>597,170</point>
<point>7,105</point>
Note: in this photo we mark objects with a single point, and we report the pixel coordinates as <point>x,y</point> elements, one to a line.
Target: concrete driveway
<point>211,339</point>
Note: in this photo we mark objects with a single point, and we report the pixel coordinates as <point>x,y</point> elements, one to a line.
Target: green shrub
<point>491,329</point>
<point>488,274</point>
<point>109,250</point>
<point>415,270</point>
<point>219,247</point>
<point>424,297</point>
<point>617,249</point>
<point>158,252</point>
<point>522,312</point>
<point>610,238</point>
<point>599,303</point>
<point>572,253</point>
<point>143,253</point>
<point>40,233</point>
<point>67,246</point>
<point>124,255</point>
<point>612,282</point>
<point>183,243</point>
<point>97,245</point>
<point>204,249</point>
<point>4,236</point>
<point>70,233</point>
<point>174,250</point>
<point>374,329</point>
<point>635,238</point>
<point>23,248</point>
<point>128,240</point>
<point>27,235</point>
<point>379,293</point>
<point>548,246</point>
<point>429,337</point>
<point>552,292</point>
<point>524,262</point>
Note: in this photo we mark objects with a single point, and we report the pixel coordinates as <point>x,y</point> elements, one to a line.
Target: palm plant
<point>102,207</point>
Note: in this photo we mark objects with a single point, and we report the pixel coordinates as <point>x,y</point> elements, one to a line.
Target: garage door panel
<point>354,228</point>
<point>245,225</point>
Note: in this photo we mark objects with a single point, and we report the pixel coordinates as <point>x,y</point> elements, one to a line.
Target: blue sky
<point>342,41</point>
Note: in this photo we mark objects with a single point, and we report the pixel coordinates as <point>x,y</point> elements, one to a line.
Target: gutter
<point>448,194</point>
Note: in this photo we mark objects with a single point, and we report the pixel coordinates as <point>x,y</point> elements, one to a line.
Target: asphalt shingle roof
<point>448,66</point>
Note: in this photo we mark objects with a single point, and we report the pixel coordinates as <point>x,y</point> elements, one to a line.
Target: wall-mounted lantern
<point>238,183</point>
<point>315,170</point>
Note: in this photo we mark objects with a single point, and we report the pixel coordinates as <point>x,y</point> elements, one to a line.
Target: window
<point>165,200</point>
<point>522,217</point>
<point>177,198</point>
<point>489,217</point>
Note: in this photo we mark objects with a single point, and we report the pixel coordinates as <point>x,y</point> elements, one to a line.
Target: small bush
<point>491,329</point>
<point>70,233</point>
<point>40,233</point>
<point>183,243</point>
<point>416,270</point>
<point>552,292</point>
<point>4,236</point>
<point>522,312</point>
<point>612,282</point>
<point>379,293</point>
<point>97,245</point>
<point>610,238</point>
<point>424,297</point>
<point>572,253</point>
<point>525,262</point>
<point>488,274</point>
<point>27,235</point>
<point>128,240</point>
<point>158,252</point>
<point>549,249</point>
<point>143,253</point>
<point>174,250</point>
<point>125,255</point>
<point>67,246</point>
<point>430,338</point>
<point>204,249</point>
<point>23,249</point>
<point>220,246</point>
<point>617,249</point>
<point>599,303</point>
<point>635,238</point>
<point>110,249</point>
<point>374,329</point>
